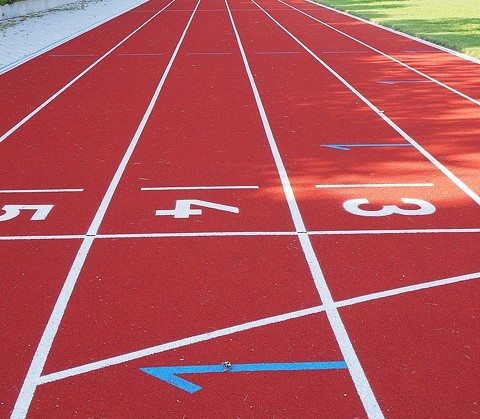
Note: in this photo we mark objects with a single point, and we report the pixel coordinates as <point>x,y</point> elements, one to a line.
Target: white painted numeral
<point>183,208</point>
<point>13,211</point>
<point>424,208</point>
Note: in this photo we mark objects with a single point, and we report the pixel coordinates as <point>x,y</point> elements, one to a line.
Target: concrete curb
<point>22,8</point>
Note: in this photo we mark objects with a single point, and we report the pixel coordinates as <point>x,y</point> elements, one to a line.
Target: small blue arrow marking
<point>402,81</point>
<point>347,147</point>
<point>170,374</point>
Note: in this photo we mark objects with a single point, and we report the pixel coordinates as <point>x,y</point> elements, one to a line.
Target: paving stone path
<point>25,37</point>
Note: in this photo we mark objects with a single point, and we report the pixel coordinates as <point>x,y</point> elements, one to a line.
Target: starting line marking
<point>196,188</point>
<point>120,359</point>
<point>39,190</point>
<point>375,185</point>
<point>245,233</point>
<point>169,374</point>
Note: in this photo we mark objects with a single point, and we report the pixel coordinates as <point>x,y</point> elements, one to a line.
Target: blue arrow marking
<point>170,374</point>
<point>348,146</point>
<point>402,81</point>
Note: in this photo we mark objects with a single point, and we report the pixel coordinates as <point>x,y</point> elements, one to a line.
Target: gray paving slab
<point>26,37</point>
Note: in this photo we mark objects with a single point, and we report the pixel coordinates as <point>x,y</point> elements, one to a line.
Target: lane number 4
<point>12,211</point>
<point>424,208</point>
<point>183,208</point>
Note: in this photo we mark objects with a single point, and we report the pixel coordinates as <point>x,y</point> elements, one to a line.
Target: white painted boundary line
<point>120,359</point>
<point>40,190</point>
<point>36,367</point>
<point>382,115</point>
<point>408,288</point>
<point>28,238</point>
<point>356,371</point>
<point>196,188</point>
<point>23,60</point>
<point>420,73</point>
<point>73,81</point>
<point>405,35</point>
<point>374,185</point>
<point>245,234</point>
<point>200,234</point>
<point>381,232</point>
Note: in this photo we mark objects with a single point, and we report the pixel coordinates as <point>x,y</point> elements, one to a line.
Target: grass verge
<point>3,2</point>
<point>454,24</point>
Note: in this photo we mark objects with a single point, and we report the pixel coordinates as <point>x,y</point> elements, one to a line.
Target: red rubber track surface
<point>272,262</point>
<point>23,89</point>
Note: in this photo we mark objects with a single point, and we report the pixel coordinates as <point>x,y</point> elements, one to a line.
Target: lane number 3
<point>424,208</point>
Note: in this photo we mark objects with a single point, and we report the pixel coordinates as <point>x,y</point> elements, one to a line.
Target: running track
<point>193,183</point>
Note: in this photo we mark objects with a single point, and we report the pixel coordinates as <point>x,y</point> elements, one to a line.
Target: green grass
<point>452,23</point>
<point>2,2</point>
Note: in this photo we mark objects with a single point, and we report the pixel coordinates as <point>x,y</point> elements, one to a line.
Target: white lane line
<point>59,92</point>
<point>60,375</point>
<point>131,356</point>
<point>360,380</point>
<point>36,367</point>
<point>374,185</point>
<point>195,188</point>
<point>40,190</point>
<point>409,67</point>
<point>287,188</point>
<point>123,164</point>
<point>460,184</point>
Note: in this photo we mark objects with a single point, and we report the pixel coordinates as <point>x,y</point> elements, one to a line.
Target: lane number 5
<point>424,208</point>
<point>40,212</point>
